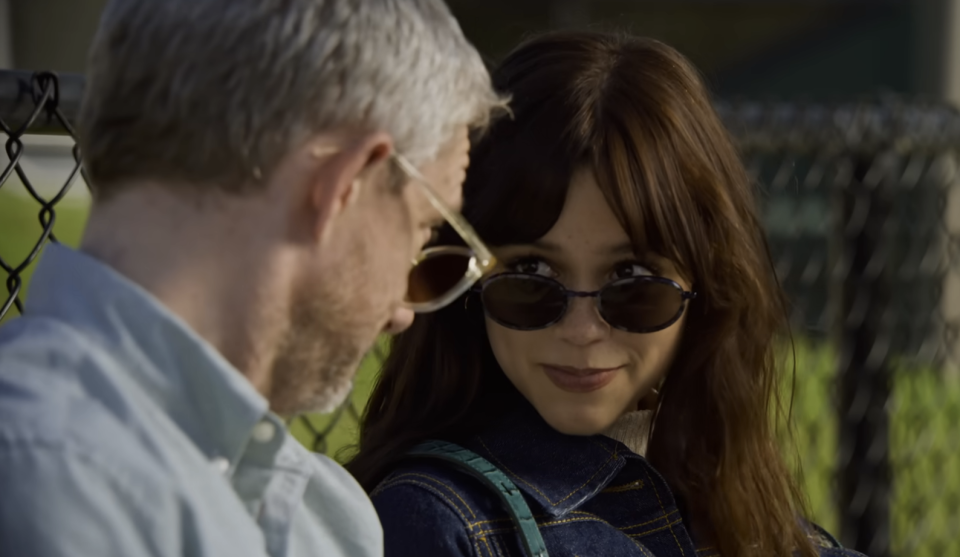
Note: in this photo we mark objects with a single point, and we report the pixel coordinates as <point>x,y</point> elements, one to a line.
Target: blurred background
<point>845,111</point>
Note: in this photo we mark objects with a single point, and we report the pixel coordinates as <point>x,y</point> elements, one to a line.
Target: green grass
<point>924,451</point>
<point>20,230</point>
<point>342,425</point>
<point>815,429</point>
<point>925,446</point>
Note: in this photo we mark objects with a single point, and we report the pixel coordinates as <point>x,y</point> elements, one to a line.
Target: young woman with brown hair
<point>618,366</point>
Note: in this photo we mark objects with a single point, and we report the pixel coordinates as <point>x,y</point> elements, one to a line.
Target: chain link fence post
<point>864,375</point>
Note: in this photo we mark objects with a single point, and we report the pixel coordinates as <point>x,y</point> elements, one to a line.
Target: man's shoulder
<point>333,492</point>
<point>43,348</point>
<point>81,457</point>
<point>57,399</point>
<point>46,368</point>
<point>337,517</point>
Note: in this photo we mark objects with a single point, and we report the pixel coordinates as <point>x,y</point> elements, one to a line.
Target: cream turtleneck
<point>633,430</point>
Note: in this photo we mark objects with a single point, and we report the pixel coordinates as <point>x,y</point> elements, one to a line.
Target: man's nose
<point>401,319</point>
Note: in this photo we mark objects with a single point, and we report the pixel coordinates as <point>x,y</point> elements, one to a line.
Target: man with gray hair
<point>265,175</point>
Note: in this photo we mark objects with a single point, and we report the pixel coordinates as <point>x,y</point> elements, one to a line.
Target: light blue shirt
<point>123,433</point>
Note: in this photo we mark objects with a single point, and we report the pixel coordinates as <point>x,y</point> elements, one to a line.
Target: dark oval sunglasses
<point>525,302</point>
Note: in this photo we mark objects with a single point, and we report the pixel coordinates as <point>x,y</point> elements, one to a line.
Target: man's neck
<point>204,262</point>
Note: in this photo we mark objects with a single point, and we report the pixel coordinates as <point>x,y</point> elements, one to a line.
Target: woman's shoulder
<point>426,485</point>
<point>826,544</point>
<point>430,508</point>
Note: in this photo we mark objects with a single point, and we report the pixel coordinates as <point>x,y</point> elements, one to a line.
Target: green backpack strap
<point>491,476</point>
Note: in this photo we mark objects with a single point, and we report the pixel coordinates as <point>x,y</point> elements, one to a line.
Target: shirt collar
<point>559,472</point>
<point>191,381</point>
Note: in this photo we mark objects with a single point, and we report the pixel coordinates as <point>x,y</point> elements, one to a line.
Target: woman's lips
<point>579,380</point>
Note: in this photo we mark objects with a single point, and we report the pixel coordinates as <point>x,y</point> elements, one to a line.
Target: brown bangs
<point>608,120</point>
<point>520,172</point>
<point>648,195</point>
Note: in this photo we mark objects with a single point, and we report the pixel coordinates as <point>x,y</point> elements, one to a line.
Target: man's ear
<point>341,172</point>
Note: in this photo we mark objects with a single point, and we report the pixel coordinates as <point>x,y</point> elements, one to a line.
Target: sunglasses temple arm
<point>459,224</point>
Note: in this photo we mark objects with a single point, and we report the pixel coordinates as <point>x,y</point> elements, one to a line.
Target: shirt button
<point>221,464</point>
<point>264,431</point>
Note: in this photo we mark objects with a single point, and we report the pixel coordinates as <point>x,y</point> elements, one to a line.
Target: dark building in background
<point>816,49</point>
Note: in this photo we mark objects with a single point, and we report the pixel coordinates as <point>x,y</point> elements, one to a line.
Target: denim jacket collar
<point>559,472</point>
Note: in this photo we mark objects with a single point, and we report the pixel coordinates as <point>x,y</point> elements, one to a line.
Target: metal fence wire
<point>861,204</point>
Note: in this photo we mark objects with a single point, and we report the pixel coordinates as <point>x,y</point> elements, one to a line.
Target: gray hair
<point>218,91</point>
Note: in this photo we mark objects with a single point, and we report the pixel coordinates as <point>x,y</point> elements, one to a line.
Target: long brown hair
<point>636,112</point>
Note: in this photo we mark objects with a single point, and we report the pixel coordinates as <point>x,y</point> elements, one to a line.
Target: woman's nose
<point>582,324</point>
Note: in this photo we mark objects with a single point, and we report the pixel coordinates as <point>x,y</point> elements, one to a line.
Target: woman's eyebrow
<point>619,249</point>
<point>541,245</point>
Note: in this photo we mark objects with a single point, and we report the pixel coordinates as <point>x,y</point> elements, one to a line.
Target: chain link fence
<point>862,208</point>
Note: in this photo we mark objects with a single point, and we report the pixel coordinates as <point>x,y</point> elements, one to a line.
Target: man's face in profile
<point>340,309</point>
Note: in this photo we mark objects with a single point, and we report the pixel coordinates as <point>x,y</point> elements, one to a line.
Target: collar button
<point>264,432</point>
<point>221,464</point>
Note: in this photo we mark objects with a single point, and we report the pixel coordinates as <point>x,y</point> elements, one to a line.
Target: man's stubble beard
<point>322,349</point>
<point>335,319</point>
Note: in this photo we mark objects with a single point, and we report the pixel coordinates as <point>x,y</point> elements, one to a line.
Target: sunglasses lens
<point>640,305</point>
<point>523,302</point>
<point>436,275</point>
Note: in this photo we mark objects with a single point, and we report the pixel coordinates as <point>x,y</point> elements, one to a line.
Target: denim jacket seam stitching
<point>505,519</point>
<point>496,531</point>
<point>664,510</point>
<point>540,525</point>
<point>632,486</point>
<point>657,529</point>
<point>643,549</point>
<point>664,517</point>
<point>476,547</point>
<point>535,517</point>
<point>486,543</point>
<point>597,473</point>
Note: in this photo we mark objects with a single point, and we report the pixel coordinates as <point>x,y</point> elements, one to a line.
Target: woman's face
<point>581,374</point>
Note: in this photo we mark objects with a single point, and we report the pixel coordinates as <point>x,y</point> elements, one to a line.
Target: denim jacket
<point>591,496</point>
